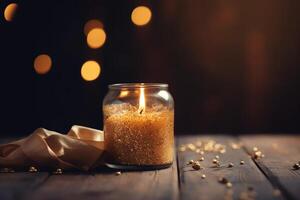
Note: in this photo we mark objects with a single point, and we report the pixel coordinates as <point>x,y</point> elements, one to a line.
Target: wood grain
<point>20,184</point>
<point>264,175</point>
<point>145,185</point>
<point>281,152</point>
<point>241,176</point>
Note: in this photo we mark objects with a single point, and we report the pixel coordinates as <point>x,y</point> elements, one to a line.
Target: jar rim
<point>137,85</point>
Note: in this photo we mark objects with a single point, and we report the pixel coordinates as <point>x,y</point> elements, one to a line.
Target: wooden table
<point>271,177</point>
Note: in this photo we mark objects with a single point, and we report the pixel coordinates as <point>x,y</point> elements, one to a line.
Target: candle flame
<point>142,102</point>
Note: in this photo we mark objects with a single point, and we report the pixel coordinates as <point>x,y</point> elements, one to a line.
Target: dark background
<point>232,66</point>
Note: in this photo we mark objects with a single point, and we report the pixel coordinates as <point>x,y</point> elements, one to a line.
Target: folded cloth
<point>81,148</point>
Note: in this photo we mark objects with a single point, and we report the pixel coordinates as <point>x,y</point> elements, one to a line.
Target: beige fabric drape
<point>81,148</point>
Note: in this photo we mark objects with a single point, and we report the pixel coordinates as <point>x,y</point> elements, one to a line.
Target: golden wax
<point>135,138</point>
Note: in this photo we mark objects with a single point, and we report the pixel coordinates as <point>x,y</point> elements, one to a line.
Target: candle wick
<point>141,111</point>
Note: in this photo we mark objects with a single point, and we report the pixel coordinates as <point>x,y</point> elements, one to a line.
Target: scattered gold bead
<point>118,173</point>
<point>201,159</point>
<point>296,166</point>
<point>196,166</point>
<point>222,151</point>
<point>191,147</point>
<point>230,165</point>
<point>223,180</point>
<point>32,169</point>
<point>182,148</point>
<point>217,157</point>
<point>257,155</point>
<point>255,149</point>
<point>229,185</point>
<point>242,162</point>
<point>235,145</point>
<point>191,162</point>
<point>203,176</point>
<point>202,152</point>
<point>58,171</point>
<point>216,162</point>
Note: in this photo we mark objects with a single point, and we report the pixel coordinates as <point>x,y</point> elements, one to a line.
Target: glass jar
<point>138,126</point>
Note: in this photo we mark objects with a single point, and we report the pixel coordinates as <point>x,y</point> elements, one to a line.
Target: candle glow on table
<point>139,134</point>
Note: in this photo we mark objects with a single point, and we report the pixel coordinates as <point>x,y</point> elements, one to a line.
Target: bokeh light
<point>141,15</point>
<point>42,64</point>
<point>90,70</point>
<point>96,38</point>
<point>92,24</point>
<point>10,11</point>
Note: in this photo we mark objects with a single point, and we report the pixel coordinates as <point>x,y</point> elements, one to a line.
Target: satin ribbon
<point>81,148</point>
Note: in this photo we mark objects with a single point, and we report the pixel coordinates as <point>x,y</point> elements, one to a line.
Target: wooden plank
<point>281,153</point>
<point>242,177</point>
<point>19,184</point>
<point>146,185</point>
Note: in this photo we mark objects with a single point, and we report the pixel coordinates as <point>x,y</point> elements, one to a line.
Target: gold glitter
<point>229,185</point>
<point>147,138</point>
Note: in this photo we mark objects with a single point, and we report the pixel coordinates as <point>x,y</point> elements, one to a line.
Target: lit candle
<point>139,135</point>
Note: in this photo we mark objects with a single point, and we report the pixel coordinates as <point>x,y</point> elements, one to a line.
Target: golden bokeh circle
<point>92,24</point>
<point>10,11</point>
<point>141,15</point>
<point>90,70</point>
<point>96,38</point>
<point>42,64</point>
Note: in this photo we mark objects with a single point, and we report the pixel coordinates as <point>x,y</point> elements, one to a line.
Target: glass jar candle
<point>138,126</point>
